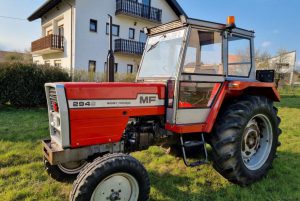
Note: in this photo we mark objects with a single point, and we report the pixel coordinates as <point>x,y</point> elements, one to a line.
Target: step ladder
<point>190,144</point>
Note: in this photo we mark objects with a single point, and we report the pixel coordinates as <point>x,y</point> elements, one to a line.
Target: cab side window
<point>204,53</point>
<point>239,56</point>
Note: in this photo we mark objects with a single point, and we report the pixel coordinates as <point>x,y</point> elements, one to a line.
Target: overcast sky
<point>276,22</point>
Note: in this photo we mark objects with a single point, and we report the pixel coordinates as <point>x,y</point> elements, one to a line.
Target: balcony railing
<point>129,47</point>
<point>48,44</point>
<point>136,9</point>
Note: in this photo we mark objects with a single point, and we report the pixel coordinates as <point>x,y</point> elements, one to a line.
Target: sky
<point>275,22</point>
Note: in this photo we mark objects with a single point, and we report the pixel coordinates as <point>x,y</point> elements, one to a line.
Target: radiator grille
<point>53,98</point>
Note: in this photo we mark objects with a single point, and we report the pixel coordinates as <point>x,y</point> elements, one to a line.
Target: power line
<point>12,18</point>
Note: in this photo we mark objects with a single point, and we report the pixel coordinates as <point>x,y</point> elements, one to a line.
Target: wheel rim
<point>257,142</point>
<point>72,167</point>
<point>119,186</point>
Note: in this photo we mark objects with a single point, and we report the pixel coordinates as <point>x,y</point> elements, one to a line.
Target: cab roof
<point>184,22</point>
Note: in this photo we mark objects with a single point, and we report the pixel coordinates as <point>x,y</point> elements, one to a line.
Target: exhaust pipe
<point>110,57</point>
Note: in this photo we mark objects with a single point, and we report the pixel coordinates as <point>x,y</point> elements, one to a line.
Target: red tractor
<point>197,85</point>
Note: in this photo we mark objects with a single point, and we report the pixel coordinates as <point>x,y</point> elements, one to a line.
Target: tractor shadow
<point>281,183</point>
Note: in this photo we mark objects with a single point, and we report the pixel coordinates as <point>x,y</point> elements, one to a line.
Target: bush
<point>22,85</point>
<point>84,76</point>
<point>125,77</point>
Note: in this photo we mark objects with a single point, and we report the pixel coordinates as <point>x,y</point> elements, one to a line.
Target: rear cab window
<point>239,56</point>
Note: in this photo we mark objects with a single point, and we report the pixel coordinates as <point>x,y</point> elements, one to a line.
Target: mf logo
<point>147,99</point>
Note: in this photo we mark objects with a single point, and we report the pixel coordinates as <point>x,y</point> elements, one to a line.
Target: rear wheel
<point>245,139</point>
<point>65,172</point>
<point>112,177</point>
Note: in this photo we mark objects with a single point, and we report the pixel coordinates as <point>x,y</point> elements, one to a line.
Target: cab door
<point>201,76</point>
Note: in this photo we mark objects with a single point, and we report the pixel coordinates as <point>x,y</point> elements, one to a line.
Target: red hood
<point>99,112</point>
<point>116,90</point>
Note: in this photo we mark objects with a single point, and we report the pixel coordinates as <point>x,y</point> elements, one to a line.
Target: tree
<point>13,57</point>
<point>18,57</point>
<point>280,64</point>
<point>262,59</point>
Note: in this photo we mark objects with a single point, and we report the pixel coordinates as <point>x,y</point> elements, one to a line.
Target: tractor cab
<point>195,58</point>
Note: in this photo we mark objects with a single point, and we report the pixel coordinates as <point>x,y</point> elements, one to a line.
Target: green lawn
<point>22,175</point>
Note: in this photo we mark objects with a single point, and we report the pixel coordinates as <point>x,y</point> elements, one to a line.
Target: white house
<point>74,32</point>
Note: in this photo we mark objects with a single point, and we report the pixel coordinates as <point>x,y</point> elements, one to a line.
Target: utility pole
<point>110,57</point>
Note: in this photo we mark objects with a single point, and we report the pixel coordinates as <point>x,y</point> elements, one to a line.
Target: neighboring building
<point>285,65</point>
<point>296,78</point>
<point>74,32</point>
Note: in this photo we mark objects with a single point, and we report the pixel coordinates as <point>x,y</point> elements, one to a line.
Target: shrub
<point>125,77</point>
<point>3,88</point>
<point>84,76</point>
<point>22,85</point>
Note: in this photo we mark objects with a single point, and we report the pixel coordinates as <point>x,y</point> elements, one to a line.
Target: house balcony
<point>48,44</point>
<point>129,47</point>
<point>135,9</point>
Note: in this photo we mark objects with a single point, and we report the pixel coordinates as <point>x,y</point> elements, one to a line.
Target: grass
<point>22,175</point>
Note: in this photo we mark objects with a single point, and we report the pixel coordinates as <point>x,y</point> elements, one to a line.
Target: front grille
<point>54,111</point>
<point>55,132</point>
<point>53,98</point>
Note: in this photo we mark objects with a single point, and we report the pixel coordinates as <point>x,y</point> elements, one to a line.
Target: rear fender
<point>237,88</point>
<point>233,90</point>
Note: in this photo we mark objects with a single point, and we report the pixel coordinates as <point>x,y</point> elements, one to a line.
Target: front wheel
<point>245,139</point>
<point>112,177</point>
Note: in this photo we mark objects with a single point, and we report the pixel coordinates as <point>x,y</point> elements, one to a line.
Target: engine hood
<point>106,90</point>
<point>99,112</point>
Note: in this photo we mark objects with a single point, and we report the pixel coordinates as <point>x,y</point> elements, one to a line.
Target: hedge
<point>22,85</point>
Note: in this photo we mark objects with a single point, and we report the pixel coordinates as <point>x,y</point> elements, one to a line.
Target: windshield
<point>162,55</point>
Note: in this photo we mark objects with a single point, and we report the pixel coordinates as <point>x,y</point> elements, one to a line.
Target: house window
<point>129,68</point>
<point>105,67</point>
<point>92,66</point>
<point>131,33</point>
<point>49,32</point>
<point>93,25</point>
<point>146,2</point>
<point>47,63</point>
<point>61,30</point>
<point>116,67</point>
<point>143,37</point>
<point>57,63</point>
<point>115,29</point>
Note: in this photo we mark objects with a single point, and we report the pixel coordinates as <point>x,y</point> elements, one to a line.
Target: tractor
<point>197,86</point>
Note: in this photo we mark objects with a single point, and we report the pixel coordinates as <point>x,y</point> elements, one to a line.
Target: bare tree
<point>13,57</point>
<point>262,59</point>
<point>280,64</point>
<point>18,57</point>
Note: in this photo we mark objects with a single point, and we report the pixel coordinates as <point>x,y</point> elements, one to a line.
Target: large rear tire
<point>112,177</point>
<point>245,139</point>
